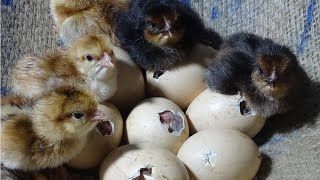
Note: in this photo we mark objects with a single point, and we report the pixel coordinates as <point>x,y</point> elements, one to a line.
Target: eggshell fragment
<point>98,146</point>
<point>131,86</point>
<point>214,110</point>
<point>135,163</point>
<point>222,154</point>
<point>157,122</point>
<point>184,82</point>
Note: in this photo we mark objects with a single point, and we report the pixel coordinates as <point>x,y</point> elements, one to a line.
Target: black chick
<point>158,33</point>
<point>267,74</point>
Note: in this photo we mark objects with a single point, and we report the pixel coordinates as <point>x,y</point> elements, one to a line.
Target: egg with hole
<point>157,122</point>
<point>222,154</point>
<point>136,163</point>
<point>131,86</point>
<point>102,140</point>
<point>214,110</point>
<point>184,82</point>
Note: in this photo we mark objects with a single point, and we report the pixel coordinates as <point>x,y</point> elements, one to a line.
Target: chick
<point>75,18</point>
<point>266,74</point>
<point>48,131</point>
<point>90,62</point>
<point>159,33</point>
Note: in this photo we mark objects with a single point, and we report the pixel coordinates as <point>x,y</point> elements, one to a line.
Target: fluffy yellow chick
<point>90,62</point>
<point>48,131</point>
<point>75,18</point>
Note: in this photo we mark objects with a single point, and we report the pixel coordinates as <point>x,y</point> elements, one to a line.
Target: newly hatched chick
<point>90,62</point>
<point>48,131</point>
<point>265,73</point>
<point>75,18</point>
<point>159,33</point>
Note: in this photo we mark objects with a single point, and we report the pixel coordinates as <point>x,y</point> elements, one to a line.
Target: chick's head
<point>67,112</point>
<point>162,24</point>
<point>275,70</point>
<point>93,54</point>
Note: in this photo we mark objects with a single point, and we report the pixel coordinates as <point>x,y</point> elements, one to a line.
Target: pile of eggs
<point>161,115</point>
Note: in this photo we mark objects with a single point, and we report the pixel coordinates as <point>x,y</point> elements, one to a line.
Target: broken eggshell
<point>131,86</point>
<point>157,122</point>
<point>137,163</point>
<point>184,82</point>
<point>222,154</point>
<point>214,110</point>
<point>99,145</point>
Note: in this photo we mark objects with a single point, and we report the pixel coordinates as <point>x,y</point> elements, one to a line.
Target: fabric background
<point>290,143</point>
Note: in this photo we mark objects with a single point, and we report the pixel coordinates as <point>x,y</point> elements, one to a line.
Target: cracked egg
<point>101,141</point>
<point>220,154</point>
<point>157,122</point>
<point>184,82</point>
<point>142,163</point>
<point>214,110</point>
<point>131,86</point>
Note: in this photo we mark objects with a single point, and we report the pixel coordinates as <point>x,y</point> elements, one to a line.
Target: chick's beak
<point>98,116</point>
<point>167,29</point>
<point>106,61</point>
<point>272,80</point>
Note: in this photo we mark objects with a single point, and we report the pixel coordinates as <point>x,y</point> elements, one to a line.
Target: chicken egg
<point>157,122</point>
<point>222,154</point>
<point>136,163</point>
<point>214,110</point>
<point>98,145</point>
<point>184,82</point>
<point>131,86</point>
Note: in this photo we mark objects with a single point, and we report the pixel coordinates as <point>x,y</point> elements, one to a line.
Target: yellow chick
<point>89,62</point>
<point>75,18</point>
<point>48,131</point>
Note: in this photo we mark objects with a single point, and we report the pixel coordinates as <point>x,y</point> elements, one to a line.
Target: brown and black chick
<point>159,33</point>
<point>48,131</point>
<point>267,74</point>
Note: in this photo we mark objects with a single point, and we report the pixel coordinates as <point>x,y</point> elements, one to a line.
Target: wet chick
<point>48,131</point>
<point>158,33</point>
<point>75,18</point>
<point>90,62</point>
<point>266,74</point>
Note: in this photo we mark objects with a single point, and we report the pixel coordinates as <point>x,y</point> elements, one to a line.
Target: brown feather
<point>45,135</point>
<point>76,18</point>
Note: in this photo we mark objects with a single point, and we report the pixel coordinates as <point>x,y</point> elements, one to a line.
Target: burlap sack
<point>290,143</point>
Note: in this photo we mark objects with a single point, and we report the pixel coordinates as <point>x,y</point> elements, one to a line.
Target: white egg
<point>214,110</point>
<point>185,82</point>
<point>222,154</point>
<point>98,146</point>
<point>135,163</point>
<point>157,122</point>
<point>131,86</point>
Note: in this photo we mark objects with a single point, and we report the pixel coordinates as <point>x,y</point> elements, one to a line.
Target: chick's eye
<point>77,115</point>
<point>151,25</point>
<point>89,57</point>
<point>260,71</point>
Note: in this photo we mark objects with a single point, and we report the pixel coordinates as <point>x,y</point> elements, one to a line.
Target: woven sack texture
<point>292,149</point>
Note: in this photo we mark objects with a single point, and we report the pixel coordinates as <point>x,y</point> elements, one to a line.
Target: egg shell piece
<point>132,161</point>
<point>214,110</point>
<point>131,85</point>
<point>222,154</point>
<point>147,124</point>
<point>98,146</point>
<point>184,82</point>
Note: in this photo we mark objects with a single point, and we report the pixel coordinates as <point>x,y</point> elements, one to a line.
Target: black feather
<point>237,61</point>
<point>233,67</point>
<point>130,26</point>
